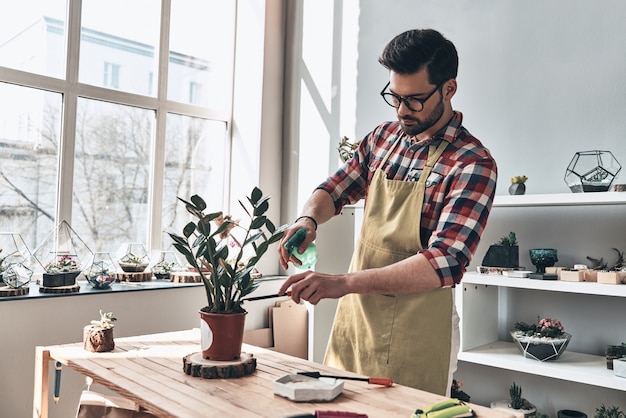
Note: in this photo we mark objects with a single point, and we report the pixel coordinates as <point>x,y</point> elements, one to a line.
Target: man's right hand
<point>285,255</point>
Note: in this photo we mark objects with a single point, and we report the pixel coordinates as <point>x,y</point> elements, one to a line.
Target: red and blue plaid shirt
<point>459,191</point>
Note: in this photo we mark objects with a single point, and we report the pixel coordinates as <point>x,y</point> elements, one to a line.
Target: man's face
<point>417,86</point>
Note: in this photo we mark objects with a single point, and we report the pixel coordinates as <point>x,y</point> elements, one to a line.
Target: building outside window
<point>105,141</point>
<point>111,75</point>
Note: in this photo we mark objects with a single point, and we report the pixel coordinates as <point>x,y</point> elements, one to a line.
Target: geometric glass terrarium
<point>591,171</point>
<point>168,263</point>
<point>100,271</point>
<point>61,255</point>
<point>16,261</point>
<point>133,257</point>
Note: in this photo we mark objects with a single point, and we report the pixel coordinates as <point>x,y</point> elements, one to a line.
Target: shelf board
<point>561,199</point>
<point>587,288</point>
<point>571,366</point>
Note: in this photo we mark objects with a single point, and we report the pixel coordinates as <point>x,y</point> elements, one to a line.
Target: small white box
<point>619,367</point>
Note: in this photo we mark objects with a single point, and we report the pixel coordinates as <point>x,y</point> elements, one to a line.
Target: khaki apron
<point>404,337</point>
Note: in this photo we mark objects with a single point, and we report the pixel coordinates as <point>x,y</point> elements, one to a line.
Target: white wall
<point>538,80</point>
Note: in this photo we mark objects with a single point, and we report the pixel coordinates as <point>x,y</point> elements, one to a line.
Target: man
<point>428,186</point>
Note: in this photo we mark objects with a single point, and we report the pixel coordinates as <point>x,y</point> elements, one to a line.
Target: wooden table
<point>148,370</point>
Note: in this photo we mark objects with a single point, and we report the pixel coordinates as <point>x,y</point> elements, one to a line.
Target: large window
<point>107,117</point>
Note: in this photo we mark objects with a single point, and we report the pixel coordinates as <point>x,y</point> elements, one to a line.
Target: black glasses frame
<point>394,100</point>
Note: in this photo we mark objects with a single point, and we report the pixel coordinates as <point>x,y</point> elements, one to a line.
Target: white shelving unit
<point>578,225</point>
<point>478,300</point>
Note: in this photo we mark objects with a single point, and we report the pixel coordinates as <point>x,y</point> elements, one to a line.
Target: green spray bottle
<point>309,256</point>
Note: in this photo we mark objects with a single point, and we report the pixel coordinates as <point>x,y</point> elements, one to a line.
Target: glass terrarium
<point>100,271</point>
<point>591,171</point>
<point>61,255</point>
<point>16,261</point>
<point>133,257</point>
<point>168,263</point>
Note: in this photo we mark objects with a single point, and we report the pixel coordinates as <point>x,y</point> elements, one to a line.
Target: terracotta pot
<point>222,335</point>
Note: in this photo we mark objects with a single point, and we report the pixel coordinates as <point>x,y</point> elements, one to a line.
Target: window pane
<point>201,53</point>
<point>195,163</point>
<point>111,174</point>
<point>32,36</point>
<point>29,144</point>
<point>118,44</point>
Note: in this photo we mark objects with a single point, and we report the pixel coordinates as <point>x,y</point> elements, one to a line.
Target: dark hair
<point>410,51</point>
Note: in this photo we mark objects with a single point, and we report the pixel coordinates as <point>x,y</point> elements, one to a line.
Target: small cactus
<point>516,396</point>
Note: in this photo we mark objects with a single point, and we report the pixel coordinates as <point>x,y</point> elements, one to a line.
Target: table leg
<point>40,391</point>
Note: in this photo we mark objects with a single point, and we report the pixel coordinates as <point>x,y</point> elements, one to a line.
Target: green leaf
<point>176,238</point>
<point>189,229</point>
<point>204,226</point>
<point>222,253</point>
<point>261,208</point>
<point>276,237</point>
<point>198,202</point>
<point>258,222</point>
<point>256,195</point>
<point>223,227</point>
<point>270,226</point>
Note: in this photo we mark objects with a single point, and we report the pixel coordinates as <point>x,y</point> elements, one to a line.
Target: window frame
<point>71,89</point>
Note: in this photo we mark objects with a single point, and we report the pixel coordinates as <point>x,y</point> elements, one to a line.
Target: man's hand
<point>313,287</point>
<point>285,255</point>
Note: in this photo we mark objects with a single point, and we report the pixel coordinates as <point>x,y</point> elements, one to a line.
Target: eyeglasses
<point>413,103</point>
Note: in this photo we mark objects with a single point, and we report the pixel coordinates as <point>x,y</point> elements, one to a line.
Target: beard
<point>419,126</point>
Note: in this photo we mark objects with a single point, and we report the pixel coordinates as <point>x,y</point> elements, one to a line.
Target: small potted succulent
<point>98,336</point>
<point>518,185</point>
<point>517,405</point>
<point>545,340</point>
<point>61,272</point>
<point>504,253</point>
<point>133,258</point>
<point>166,265</point>
<point>100,271</point>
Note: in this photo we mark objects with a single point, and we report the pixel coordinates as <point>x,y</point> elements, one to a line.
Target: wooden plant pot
<point>98,340</point>
<point>611,277</point>
<point>221,335</point>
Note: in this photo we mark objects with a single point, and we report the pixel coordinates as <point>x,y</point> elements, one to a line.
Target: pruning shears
<point>445,409</point>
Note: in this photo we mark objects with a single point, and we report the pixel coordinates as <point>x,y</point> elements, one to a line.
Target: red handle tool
<point>384,381</point>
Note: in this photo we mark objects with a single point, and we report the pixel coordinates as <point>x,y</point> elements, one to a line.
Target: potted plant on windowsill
<point>225,264</point>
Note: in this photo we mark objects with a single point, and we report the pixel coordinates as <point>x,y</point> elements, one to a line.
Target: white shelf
<point>561,199</point>
<point>587,288</point>
<point>571,366</point>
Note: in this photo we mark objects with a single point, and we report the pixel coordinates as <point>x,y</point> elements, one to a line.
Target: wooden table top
<point>148,370</point>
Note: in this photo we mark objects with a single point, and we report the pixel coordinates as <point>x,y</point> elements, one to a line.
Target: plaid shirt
<point>459,190</point>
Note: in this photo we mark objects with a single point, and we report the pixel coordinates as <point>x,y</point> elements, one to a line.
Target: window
<point>119,125</point>
<point>111,75</point>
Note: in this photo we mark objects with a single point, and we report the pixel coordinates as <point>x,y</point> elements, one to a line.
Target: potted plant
<point>61,272</point>
<point>347,148</point>
<point>545,340</point>
<point>133,258</point>
<point>609,412</point>
<point>207,244</point>
<point>614,352</point>
<point>518,185</point>
<point>504,253</point>
<point>166,265</point>
<point>518,405</point>
<point>98,336</point>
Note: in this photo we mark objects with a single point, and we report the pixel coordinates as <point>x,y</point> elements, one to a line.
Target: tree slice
<point>142,276</point>
<point>11,291</point>
<point>185,277</point>
<point>194,365</point>
<point>98,340</point>
<point>60,289</point>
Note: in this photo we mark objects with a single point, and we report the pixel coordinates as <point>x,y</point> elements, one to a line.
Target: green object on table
<point>309,257</point>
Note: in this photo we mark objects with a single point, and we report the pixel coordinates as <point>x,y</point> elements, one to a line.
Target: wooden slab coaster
<point>194,365</point>
<point>185,277</point>
<point>11,291</point>
<point>60,289</point>
<point>142,276</point>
